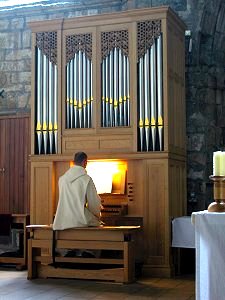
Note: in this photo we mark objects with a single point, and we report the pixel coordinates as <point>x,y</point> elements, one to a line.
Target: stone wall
<point>205,76</point>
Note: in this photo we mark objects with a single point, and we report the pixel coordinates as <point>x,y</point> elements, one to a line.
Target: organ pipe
<point>115,81</point>
<point>88,93</point>
<point>79,91</point>
<point>141,103</point>
<point>80,95</point>
<point>128,92</point>
<point>55,128</point>
<point>111,88</point>
<point>115,89</point>
<point>120,88</point>
<point>159,90</point>
<point>107,91</point>
<point>71,92</point>
<point>91,89</point>
<point>146,99</point>
<point>50,106</point>
<point>153,95</point>
<point>150,98</point>
<point>68,96</point>
<point>39,99</point>
<point>46,104</point>
<point>84,90</point>
<point>125,89</point>
<point>75,89</point>
<point>103,91</point>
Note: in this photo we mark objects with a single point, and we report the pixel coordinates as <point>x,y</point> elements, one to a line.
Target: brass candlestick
<point>219,194</point>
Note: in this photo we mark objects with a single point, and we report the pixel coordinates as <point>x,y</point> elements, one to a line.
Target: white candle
<point>216,163</point>
<point>222,164</point>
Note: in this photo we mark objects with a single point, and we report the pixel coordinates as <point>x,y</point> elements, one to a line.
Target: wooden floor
<point>15,286</point>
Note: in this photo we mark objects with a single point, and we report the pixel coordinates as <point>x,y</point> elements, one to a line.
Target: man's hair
<point>79,157</point>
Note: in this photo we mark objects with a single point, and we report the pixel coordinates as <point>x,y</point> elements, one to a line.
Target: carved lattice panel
<point>78,42</point>
<point>147,32</point>
<point>47,42</point>
<point>114,39</point>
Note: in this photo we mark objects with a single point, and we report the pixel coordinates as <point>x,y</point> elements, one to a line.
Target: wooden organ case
<point>113,86</point>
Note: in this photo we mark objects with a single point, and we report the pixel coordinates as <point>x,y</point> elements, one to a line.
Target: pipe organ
<point>112,85</point>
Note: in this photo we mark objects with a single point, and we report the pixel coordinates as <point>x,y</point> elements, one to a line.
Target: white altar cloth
<point>183,233</point>
<point>210,255</point>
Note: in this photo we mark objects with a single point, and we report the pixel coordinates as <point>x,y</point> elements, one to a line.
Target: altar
<point>210,254</point>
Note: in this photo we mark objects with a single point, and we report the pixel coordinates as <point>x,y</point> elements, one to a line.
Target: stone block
<point>18,54</point>
<point>17,23</point>
<point>26,39</point>
<point>10,40</point>
<point>196,142</point>
<point>4,24</point>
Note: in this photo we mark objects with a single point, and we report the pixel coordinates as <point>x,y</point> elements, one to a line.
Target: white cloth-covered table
<point>183,233</point>
<point>210,255</point>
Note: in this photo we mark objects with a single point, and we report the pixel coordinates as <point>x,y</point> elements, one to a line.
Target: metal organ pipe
<point>115,81</point>
<point>75,89</point>
<point>111,88</point>
<point>50,106</point>
<point>80,76</point>
<point>125,89</point>
<point>55,101</point>
<point>128,92</point>
<point>115,89</point>
<point>141,103</point>
<point>103,93</point>
<point>39,100</point>
<point>88,93</point>
<point>159,91</point>
<point>45,103</point>
<point>107,91</point>
<point>146,99</point>
<point>71,92</point>
<point>120,107</point>
<point>79,91</point>
<point>84,90</point>
<point>153,95</point>
<point>91,89</point>
<point>151,89</point>
<point>68,95</point>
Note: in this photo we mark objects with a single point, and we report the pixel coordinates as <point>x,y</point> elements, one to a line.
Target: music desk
<point>210,255</point>
<point>121,269</point>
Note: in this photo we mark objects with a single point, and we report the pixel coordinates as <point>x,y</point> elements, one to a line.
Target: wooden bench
<point>42,264</point>
<point>20,221</point>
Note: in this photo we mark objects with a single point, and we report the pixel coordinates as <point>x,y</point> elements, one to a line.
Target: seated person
<point>79,204</point>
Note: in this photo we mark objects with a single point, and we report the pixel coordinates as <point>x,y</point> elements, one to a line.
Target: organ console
<point>113,85</point>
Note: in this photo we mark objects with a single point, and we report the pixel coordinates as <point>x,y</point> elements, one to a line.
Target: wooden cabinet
<point>14,169</point>
<point>109,83</point>
<point>113,85</point>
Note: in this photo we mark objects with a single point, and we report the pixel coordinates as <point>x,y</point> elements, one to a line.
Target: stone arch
<point>205,97</point>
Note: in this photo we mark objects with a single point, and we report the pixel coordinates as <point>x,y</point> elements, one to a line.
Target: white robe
<point>79,204</point>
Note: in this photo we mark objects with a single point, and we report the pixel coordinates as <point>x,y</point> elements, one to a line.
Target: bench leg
<point>31,265</point>
<point>129,265</point>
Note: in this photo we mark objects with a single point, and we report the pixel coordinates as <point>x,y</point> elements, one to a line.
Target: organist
<point>79,204</point>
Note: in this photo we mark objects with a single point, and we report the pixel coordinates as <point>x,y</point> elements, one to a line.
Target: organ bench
<point>42,262</point>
